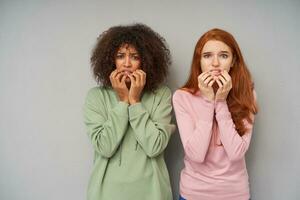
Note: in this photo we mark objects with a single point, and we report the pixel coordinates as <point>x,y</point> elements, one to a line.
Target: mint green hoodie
<point>129,141</point>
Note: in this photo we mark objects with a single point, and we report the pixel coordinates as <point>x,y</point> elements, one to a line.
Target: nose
<point>127,62</point>
<point>215,61</point>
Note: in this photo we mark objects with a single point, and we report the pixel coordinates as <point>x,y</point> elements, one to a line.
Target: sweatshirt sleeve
<point>195,129</point>
<point>235,145</point>
<point>105,128</point>
<point>153,133</point>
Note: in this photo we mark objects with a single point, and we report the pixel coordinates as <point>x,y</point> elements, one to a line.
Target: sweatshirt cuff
<point>222,111</point>
<point>208,111</point>
<point>121,108</point>
<point>135,110</point>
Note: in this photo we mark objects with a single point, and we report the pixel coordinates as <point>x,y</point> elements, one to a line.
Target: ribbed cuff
<point>208,111</point>
<point>222,111</point>
<point>135,110</point>
<point>121,108</point>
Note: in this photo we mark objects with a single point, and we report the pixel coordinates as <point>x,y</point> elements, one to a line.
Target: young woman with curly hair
<point>215,113</point>
<point>128,117</point>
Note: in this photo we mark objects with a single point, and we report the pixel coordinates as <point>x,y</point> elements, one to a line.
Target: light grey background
<point>45,73</point>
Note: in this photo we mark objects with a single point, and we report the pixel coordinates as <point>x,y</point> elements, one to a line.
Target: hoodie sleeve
<point>153,133</point>
<point>235,145</point>
<point>195,129</point>
<point>105,128</point>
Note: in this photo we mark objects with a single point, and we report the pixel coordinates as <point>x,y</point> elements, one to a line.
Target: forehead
<point>215,46</point>
<point>127,47</point>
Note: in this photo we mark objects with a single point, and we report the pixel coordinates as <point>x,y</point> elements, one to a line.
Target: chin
<point>215,87</point>
<point>127,80</point>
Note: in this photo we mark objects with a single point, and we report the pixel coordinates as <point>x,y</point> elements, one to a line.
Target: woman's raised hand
<point>138,81</point>
<point>205,82</point>
<point>117,79</point>
<point>225,84</point>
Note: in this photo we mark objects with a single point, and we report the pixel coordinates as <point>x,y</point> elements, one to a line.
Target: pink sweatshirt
<point>214,160</point>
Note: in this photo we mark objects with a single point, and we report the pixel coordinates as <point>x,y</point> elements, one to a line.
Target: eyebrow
<point>209,52</point>
<point>132,54</point>
<point>224,52</point>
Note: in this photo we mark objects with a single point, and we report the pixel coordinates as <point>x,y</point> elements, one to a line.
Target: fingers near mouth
<point>215,72</point>
<point>127,72</point>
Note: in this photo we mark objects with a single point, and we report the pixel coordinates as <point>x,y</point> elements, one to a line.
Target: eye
<point>119,56</point>
<point>206,55</point>
<point>135,57</point>
<point>224,56</point>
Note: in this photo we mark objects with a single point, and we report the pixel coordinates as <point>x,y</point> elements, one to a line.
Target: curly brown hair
<point>152,48</point>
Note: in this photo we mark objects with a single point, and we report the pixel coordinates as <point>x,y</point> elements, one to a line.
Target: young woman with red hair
<point>215,113</point>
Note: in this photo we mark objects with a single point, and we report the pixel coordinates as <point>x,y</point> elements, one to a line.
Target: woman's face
<point>127,60</point>
<point>215,57</point>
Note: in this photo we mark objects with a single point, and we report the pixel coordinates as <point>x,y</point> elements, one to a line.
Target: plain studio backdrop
<point>45,74</point>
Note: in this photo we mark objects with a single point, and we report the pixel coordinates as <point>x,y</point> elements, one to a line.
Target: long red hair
<point>240,100</point>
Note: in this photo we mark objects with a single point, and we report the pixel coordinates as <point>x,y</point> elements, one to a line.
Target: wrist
<point>220,98</point>
<point>125,100</point>
<point>133,101</point>
<point>210,98</point>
